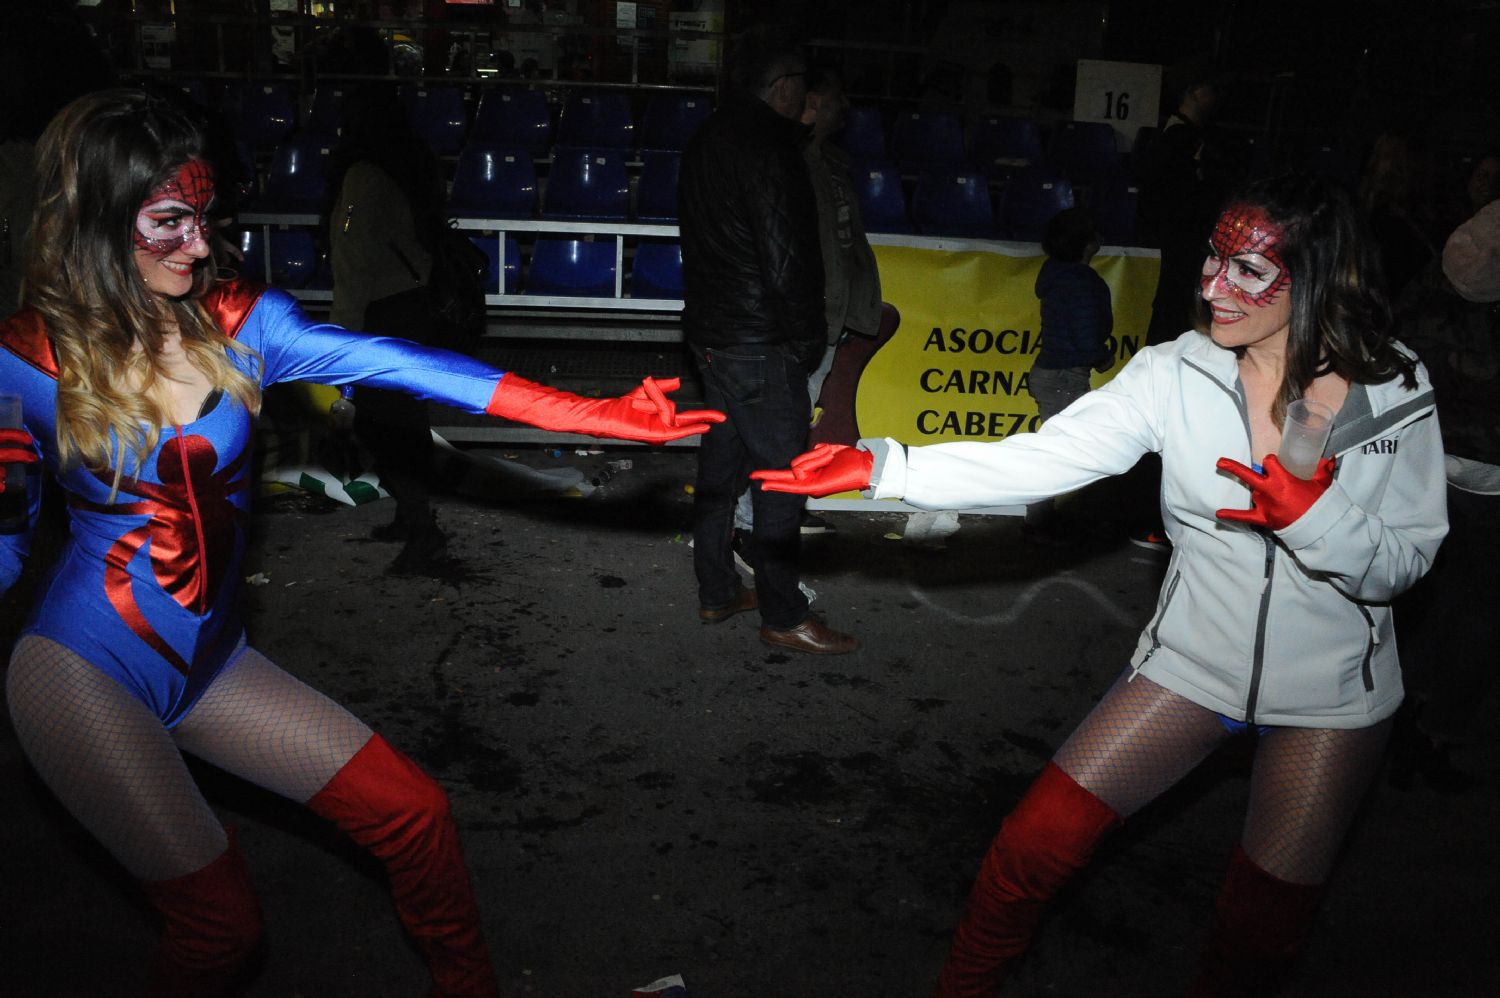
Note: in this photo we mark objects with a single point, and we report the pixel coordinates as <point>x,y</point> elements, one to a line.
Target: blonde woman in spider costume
<point>140,372</point>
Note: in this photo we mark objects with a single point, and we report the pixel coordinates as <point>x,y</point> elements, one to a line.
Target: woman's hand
<point>16,447</point>
<point>823,471</point>
<point>1278,497</point>
<point>645,414</point>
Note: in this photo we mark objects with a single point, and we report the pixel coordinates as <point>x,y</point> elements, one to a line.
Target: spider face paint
<point>1245,281</point>
<point>175,213</point>
<point>1243,261</point>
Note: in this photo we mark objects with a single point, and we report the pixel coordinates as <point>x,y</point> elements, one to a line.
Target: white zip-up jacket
<point>1286,629</point>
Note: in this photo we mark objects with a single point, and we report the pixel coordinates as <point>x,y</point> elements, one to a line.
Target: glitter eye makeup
<point>1243,256</point>
<point>175,213</point>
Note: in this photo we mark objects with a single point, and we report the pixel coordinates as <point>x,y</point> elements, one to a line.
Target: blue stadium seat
<point>1115,203</point>
<point>656,190</point>
<point>1083,151</point>
<point>205,94</point>
<point>863,135</point>
<point>438,115</point>
<point>326,116</point>
<point>572,267</point>
<point>657,271</point>
<point>953,203</point>
<point>261,114</point>
<point>882,202</point>
<point>490,182</point>
<point>596,120</point>
<point>514,118</point>
<point>1004,145</point>
<point>1029,201</point>
<point>252,264</point>
<point>296,176</point>
<point>923,141</point>
<point>671,119</point>
<point>488,245</point>
<point>245,176</point>
<point>294,258</point>
<point>587,185</point>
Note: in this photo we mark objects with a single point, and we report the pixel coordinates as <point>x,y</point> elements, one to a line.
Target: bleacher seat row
<point>590,161</point>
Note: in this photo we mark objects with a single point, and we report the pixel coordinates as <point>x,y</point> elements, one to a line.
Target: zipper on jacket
<point>1365,671</point>
<point>1258,663</point>
<point>1166,603</point>
<point>192,498</point>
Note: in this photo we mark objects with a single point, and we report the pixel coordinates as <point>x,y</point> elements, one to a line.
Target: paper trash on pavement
<point>670,986</point>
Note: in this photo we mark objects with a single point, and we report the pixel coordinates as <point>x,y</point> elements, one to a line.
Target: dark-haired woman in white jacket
<point>1274,616</point>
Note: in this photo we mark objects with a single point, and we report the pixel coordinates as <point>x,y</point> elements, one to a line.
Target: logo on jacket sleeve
<point>1386,445</point>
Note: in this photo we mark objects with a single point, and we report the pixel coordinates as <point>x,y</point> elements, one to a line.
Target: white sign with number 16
<point>1123,95</point>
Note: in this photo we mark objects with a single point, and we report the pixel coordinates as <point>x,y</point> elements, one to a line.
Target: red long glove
<point>16,447</point>
<point>822,471</point>
<point>1279,497</point>
<point>645,414</point>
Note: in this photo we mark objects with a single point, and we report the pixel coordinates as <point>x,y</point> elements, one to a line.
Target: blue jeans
<point>762,389</point>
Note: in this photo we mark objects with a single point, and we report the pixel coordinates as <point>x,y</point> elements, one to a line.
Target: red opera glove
<point>16,447</point>
<point>645,414</point>
<point>822,471</point>
<point>1278,497</point>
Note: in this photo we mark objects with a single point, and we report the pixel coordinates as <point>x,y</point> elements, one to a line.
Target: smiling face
<point>1245,281</point>
<point>171,229</point>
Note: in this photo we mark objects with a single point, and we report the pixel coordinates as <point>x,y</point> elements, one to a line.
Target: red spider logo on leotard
<point>191,530</point>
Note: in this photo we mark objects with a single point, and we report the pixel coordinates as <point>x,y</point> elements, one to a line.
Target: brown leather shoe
<point>811,636</point>
<point>745,600</point>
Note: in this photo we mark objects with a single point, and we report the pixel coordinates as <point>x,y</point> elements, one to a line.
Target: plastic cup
<point>1304,436</point>
<point>13,499</point>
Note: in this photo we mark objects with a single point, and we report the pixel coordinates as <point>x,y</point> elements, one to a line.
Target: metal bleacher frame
<point>519,316</point>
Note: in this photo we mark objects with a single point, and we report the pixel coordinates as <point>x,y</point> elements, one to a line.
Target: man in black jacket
<point>753,316</point>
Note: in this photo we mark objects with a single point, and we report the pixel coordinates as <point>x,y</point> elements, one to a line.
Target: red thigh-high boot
<point>1260,925</point>
<point>384,802</point>
<point>1047,838</point>
<point>212,926</point>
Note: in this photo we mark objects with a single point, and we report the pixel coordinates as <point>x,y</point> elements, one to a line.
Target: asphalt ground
<point>642,795</point>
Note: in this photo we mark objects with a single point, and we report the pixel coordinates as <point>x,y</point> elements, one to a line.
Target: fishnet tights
<point>1305,784</point>
<point>113,765</point>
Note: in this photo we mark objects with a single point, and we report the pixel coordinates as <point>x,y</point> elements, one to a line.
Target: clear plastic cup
<point>13,500</point>
<point>1304,436</point>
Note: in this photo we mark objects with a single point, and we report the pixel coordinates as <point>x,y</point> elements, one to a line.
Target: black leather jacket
<point>752,267</point>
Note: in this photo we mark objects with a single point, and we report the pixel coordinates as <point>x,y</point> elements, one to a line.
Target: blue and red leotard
<point>147,588</point>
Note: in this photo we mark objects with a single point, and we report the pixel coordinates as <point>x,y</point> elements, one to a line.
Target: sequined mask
<point>176,212</point>
<point>1242,255</point>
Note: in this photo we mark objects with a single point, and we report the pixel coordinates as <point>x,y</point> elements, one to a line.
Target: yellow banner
<point>970,329</point>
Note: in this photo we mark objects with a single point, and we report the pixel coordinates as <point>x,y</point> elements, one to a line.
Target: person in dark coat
<point>753,317</point>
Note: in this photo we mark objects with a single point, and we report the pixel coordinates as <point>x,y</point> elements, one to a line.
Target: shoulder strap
<point>229,303</point>
<point>25,335</point>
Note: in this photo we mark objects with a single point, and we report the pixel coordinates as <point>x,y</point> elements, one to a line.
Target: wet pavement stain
<point>453,743</point>
<point>1040,748</point>
<point>840,679</point>
<point>795,779</point>
<point>655,781</point>
<point>611,582</point>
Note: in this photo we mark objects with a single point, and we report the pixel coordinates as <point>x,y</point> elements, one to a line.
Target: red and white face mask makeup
<point>1243,261</point>
<point>176,212</point>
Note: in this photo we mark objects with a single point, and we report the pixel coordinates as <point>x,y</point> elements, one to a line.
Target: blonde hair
<point>97,162</point>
